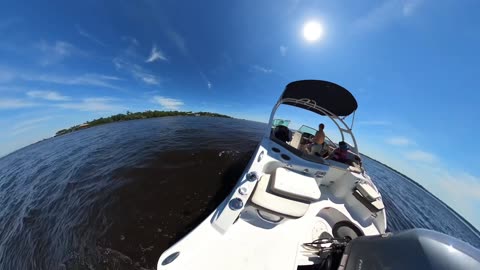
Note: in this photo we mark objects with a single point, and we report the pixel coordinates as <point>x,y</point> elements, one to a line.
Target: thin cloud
<point>225,63</point>
<point>27,125</point>
<point>168,103</point>
<point>283,50</point>
<point>56,52</point>
<point>136,71</point>
<point>147,78</point>
<point>8,23</point>
<point>464,197</point>
<point>155,55</point>
<point>386,13</point>
<point>411,6</point>
<point>421,156</point>
<point>464,183</point>
<point>95,104</point>
<point>89,36</point>
<point>88,79</point>
<point>6,75</point>
<point>375,123</point>
<point>399,141</point>
<point>14,103</point>
<point>178,40</point>
<point>126,62</point>
<point>133,41</point>
<point>47,95</point>
<point>257,68</point>
<point>206,80</point>
<point>293,6</point>
<point>98,80</point>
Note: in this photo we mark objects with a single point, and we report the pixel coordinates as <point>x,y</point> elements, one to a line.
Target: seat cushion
<point>367,191</point>
<point>294,185</point>
<point>276,204</point>
<point>374,206</point>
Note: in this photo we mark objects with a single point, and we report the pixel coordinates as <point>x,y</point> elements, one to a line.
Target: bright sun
<point>312,31</point>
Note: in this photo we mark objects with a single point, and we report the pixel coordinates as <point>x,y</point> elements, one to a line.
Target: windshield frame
<point>343,128</point>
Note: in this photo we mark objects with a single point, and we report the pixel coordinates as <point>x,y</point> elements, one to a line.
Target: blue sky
<point>412,65</point>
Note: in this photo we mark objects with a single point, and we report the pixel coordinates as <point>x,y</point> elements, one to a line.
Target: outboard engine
<point>412,249</point>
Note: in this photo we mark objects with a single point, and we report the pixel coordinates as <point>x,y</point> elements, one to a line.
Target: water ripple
<point>116,196</point>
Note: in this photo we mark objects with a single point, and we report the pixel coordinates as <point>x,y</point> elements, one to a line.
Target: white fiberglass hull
<point>237,236</point>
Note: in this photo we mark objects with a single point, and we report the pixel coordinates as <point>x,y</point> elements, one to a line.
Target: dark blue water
<point>115,196</point>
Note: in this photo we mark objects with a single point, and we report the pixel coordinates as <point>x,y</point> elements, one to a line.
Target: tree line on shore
<point>133,116</point>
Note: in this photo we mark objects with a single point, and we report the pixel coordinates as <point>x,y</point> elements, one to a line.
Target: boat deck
<point>256,247</point>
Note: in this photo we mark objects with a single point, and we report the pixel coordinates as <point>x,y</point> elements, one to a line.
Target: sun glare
<point>312,31</point>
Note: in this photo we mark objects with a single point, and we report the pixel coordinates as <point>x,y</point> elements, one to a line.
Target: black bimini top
<point>327,95</point>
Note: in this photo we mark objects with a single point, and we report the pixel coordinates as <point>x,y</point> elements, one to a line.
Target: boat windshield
<point>307,129</point>
<point>280,122</point>
<point>298,136</point>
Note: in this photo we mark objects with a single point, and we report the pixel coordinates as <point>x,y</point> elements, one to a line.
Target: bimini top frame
<point>323,98</point>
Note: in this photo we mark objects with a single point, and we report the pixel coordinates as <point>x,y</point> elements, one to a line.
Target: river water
<point>115,196</point>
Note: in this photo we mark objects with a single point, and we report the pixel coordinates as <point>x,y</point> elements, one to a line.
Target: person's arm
<point>315,138</point>
<point>332,155</point>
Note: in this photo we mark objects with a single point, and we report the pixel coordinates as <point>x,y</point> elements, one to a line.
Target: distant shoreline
<point>158,114</point>
<point>134,116</point>
<point>426,190</point>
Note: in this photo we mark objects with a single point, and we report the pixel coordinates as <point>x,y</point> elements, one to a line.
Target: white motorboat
<point>288,196</point>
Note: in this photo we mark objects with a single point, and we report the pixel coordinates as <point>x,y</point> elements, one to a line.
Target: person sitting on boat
<point>282,133</point>
<point>342,154</point>
<point>318,141</point>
